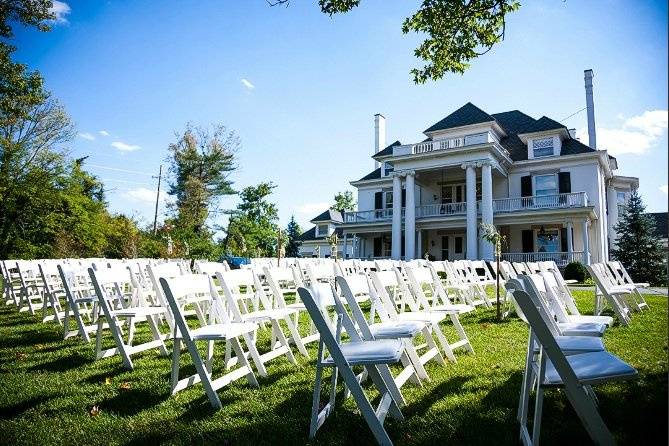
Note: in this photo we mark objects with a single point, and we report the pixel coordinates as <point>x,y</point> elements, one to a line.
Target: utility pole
<point>155,214</point>
<point>278,250</point>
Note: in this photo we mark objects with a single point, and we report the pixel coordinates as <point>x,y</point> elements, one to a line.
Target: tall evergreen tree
<point>638,245</point>
<point>293,232</point>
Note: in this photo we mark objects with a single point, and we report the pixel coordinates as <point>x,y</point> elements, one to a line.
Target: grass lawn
<point>48,387</point>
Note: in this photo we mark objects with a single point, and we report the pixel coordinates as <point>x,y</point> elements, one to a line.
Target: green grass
<point>48,386</point>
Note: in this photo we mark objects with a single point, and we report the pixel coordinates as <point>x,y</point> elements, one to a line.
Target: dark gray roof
<point>468,114</point>
<point>516,122</point>
<point>373,175</point>
<point>329,215</point>
<point>661,223</point>
<point>388,150</point>
<point>311,234</point>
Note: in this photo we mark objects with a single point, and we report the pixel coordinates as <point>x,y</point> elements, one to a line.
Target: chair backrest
<point>323,272</point>
<point>281,281</point>
<point>210,268</point>
<point>527,284</point>
<point>243,284</point>
<point>108,284</point>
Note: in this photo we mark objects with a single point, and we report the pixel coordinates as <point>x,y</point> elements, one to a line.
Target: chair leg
<point>176,356</point>
<point>237,347</point>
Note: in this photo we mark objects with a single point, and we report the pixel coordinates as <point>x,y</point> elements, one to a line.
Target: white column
<point>486,207</point>
<point>410,218</point>
<point>612,217</point>
<point>396,240</point>
<point>570,236</point>
<point>586,242</point>
<point>419,245</point>
<point>472,238</point>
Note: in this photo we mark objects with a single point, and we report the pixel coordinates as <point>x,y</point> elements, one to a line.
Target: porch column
<point>612,204</point>
<point>472,238</point>
<point>570,241</point>
<point>486,207</point>
<point>410,217</point>
<point>419,245</point>
<point>396,240</point>
<point>586,241</point>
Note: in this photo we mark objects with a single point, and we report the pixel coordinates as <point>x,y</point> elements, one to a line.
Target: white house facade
<point>314,241</point>
<point>552,196</point>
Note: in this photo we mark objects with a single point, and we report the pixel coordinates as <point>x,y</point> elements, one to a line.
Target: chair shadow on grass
<point>14,411</point>
<point>133,401</point>
<point>62,364</point>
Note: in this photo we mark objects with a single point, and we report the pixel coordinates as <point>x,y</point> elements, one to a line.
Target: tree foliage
<point>638,246</point>
<point>253,229</point>
<point>457,31</point>
<point>343,201</point>
<point>293,232</point>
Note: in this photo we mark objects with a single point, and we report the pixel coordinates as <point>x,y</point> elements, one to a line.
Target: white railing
<point>557,201</point>
<point>560,258</point>
<point>441,210</point>
<point>445,144</point>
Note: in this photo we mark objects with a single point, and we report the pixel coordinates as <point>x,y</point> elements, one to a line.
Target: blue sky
<point>301,88</point>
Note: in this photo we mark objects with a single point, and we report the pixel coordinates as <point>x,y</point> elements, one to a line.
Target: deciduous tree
<point>343,201</point>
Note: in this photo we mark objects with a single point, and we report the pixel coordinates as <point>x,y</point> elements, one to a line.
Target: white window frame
<point>534,184</point>
<point>318,229</point>
<point>537,141</point>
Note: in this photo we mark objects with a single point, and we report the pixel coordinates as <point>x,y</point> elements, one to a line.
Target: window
<point>458,245</point>
<point>542,147</point>
<point>322,230</point>
<point>389,200</point>
<point>548,241</point>
<point>545,185</point>
<point>620,197</point>
<point>387,168</point>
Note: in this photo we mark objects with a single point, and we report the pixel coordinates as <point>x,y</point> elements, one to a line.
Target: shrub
<point>576,271</point>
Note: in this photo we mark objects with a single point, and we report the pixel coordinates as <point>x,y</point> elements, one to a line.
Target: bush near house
<point>576,271</point>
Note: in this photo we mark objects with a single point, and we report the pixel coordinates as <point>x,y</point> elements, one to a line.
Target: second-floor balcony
<point>445,144</point>
<point>500,206</point>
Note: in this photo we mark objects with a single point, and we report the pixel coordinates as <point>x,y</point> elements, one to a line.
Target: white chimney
<point>590,105</point>
<point>379,135</point>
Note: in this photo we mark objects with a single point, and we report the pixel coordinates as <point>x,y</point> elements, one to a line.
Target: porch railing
<point>369,216</point>
<point>556,201</point>
<point>441,210</point>
<point>560,258</point>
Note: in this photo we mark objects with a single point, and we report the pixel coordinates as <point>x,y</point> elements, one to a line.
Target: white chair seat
<point>641,284</point>
<point>454,308</point>
<point>581,329</point>
<point>580,344</point>
<point>263,315</point>
<point>138,311</point>
<point>430,318</point>
<point>396,330</point>
<point>621,289</point>
<point>606,320</point>
<point>592,368</point>
<point>385,351</point>
<point>215,332</point>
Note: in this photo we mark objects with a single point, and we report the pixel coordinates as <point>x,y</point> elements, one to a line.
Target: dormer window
<point>322,230</point>
<point>387,168</point>
<point>542,147</point>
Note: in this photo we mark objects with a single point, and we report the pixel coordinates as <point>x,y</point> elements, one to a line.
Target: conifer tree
<point>293,231</point>
<point>638,245</point>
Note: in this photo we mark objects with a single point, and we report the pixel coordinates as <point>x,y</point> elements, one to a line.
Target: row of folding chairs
<point>616,289</point>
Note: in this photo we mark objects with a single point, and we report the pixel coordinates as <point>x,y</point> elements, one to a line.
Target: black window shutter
<point>563,239</point>
<point>377,246</point>
<point>528,240</point>
<point>378,200</point>
<point>402,249</point>
<point>526,186</point>
<point>404,197</point>
<point>564,182</point>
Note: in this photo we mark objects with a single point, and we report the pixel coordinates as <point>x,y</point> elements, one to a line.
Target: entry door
<point>453,247</point>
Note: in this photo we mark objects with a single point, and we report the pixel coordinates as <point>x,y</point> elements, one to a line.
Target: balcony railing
<point>436,210</point>
<point>557,201</point>
<point>560,258</point>
<point>500,206</point>
<point>445,144</point>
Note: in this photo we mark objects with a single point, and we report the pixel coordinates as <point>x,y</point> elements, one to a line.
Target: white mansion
<point>552,196</point>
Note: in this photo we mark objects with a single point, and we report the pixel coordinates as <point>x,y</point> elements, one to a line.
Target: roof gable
<point>468,114</point>
<point>329,215</point>
<point>387,151</point>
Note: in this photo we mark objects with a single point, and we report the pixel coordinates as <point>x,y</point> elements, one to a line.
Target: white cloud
<point>311,210</point>
<point>103,133</point>
<point>87,136</point>
<point>142,194</point>
<point>60,10</point>
<point>636,135</point>
<point>123,147</point>
<point>247,84</point>
<point>665,189</point>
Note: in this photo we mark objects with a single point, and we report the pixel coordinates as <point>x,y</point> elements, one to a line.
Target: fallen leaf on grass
<point>95,411</point>
<point>124,386</point>
<point>107,381</point>
<point>21,355</point>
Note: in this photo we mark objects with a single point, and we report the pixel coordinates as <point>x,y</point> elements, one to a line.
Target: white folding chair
<point>53,291</point>
<point>179,291</point>
<point>622,278</point>
<point>31,292</point>
<point>107,285</point>
<point>614,294</point>
<point>554,291</point>
<point>575,373</point>
<point>342,358</point>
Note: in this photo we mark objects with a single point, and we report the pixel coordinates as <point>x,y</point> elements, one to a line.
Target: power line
<point>137,172</point>
<point>573,114</point>
<point>126,181</point>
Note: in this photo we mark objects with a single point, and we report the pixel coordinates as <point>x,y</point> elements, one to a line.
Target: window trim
<point>542,140</point>
<point>555,180</point>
